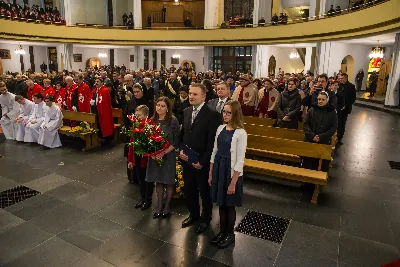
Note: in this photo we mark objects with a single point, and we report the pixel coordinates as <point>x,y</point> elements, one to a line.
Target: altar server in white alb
<point>9,112</point>
<point>48,131</point>
<point>26,111</point>
<point>36,119</point>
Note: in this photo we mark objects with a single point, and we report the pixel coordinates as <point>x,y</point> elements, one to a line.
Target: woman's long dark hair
<point>168,116</point>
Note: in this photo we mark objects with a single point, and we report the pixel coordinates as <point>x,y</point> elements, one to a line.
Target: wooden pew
<point>264,121</point>
<point>91,139</point>
<point>292,147</point>
<point>117,117</point>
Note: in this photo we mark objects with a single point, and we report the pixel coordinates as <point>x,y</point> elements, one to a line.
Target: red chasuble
<point>59,98</point>
<point>70,95</point>
<point>49,91</point>
<point>104,110</point>
<point>35,90</point>
<point>84,97</point>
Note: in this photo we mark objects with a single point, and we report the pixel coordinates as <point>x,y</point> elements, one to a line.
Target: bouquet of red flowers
<point>148,139</point>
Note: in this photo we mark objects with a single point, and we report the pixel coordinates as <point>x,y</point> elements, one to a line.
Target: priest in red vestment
<point>101,105</point>
<point>33,88</point>
<point>59,96</point>
<point>268,97</point>
<point>69,93</point>
<point>82,95</point>
<point>48,89</point>
<point>247,95</point>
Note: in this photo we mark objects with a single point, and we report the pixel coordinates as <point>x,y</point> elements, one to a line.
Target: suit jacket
<point>350,95</point>
<point>214,102</point>
<point>200,134</point>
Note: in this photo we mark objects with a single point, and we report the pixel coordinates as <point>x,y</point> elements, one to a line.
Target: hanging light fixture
<point>19,50</point>
<point>294,54</point>
<point>377,52</point>
<point>102,54</point>
<point>176,55</point>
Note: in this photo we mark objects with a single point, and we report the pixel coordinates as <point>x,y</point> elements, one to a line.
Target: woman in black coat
<point>289,104</point>
<point>181,103</point>
<point>319,126</point>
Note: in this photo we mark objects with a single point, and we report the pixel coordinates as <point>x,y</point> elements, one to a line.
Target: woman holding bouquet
<point>226,171</point>
<point>164,175</point>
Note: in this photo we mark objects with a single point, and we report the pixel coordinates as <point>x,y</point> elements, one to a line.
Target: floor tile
<point>294,257</point>
<point>70,191</point>
<point>60,218</point>
<point>317,215</point>
<point>363,206</point>
<point>362,252</point>
<point>28,202</point>
<point>396,234</point>
<point>392,194</point>
<point>19,240</point>
<point>80,240</point>
<point>97,228</point>
<point>393,211</point>
<point>8,221</point>
<point>38,208</point>
<point>53,252</point>
<point>95,200</point>
<point>373,228</point>
<point>90,260</point>
<point>283,209</point>
<point>317,242</point>
<point>6,183</point>
<point>28,174</point>
<point>123,212</point>
<point>122,187</point>
<point>99,178</point>
<point>128,248</point>
<point>47,183</point>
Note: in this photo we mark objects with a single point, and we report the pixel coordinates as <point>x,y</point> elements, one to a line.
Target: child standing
<point>140,163</point>
<point>226,171</point>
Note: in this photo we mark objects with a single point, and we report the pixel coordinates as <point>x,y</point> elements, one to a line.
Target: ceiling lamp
<point>377,52</point>
<point>294,54</point>
<point>176,1</point>
<point>20,50</point>
<point>102,54</point>
<point>176,55</point>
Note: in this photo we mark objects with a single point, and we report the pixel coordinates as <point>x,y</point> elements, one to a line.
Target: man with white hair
<point>48,131</point>
<point>69,93</point>
<point>27,108</point>
<point>9,110</point>
<point>36,119</point>
<point>33,88</point>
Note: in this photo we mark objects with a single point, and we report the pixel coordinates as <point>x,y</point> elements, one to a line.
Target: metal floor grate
<point>14,195</point>
<point>263,226</point>
<point>394,165</point>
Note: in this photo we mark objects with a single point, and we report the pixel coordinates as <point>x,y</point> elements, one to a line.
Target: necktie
<point>219,106</point>
<point>194,114</point>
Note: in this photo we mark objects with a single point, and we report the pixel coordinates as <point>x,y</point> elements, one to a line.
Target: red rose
<point>157,138</point>
<point>136,130</point>
<point>141,131</point>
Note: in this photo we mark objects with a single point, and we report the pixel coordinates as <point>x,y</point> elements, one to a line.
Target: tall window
<point>154,53</point>
<point>232,8</point>
<point>146,59</point>
<point>232,58</point>
<point>163,58</point>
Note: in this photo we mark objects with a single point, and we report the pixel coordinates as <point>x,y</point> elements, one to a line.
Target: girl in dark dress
<point>226,171</point>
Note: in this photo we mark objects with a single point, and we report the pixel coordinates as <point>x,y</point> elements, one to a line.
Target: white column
<point>312,9</point>
<point>150,59</point>
<point>262,9</point>
<point>137,14</point>
<point>323,55</point>
<point>114,12</point>
<point>307,59</point>
<point>158,59</point>
<point>261,54</point>
<point>65,60</point>
<point>140,57</point>
<point>67,11</point>
<point>208,54</point>
<point>323,6</point>
<point>211,14</point>
<point>393,90</point>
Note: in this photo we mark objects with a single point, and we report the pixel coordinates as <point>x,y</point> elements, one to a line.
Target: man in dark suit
<point>223,93</point>
<point>199,127</point>
<point>350,95</point>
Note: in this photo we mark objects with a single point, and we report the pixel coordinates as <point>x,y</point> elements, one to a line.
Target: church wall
<point>122,6</point>
<point>13,64</point>
<point>121,57</point>
<point>284,62</point>
<point>41,54</point>
<point>194,55</point>
<point>88,12</point>
<point>294,3</point>
<point>88,53</point>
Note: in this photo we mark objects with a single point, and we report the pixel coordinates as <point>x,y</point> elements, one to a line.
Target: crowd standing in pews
<point>35,13</point>
<point>200,103</point>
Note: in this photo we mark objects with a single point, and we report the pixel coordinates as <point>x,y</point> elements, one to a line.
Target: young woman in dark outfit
<point>226,171</point>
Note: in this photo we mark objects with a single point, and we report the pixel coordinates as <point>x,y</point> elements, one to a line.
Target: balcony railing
<point>156,17</point>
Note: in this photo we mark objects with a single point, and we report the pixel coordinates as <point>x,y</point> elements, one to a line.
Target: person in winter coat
<point>289,104</point>
<point>181,103</point>
<point>319,126</point>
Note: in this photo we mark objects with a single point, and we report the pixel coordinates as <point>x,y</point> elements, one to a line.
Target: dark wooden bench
<point>91,139</point>
<point>264,121</point>
<point>117,117</point>
<point>291,147</point>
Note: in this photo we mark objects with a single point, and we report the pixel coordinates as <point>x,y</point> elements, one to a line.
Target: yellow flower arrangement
<point>83,127</point>
<point>179,184</point>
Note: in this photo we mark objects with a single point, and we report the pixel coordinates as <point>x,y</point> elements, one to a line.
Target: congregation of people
<point>202,113</point>
<point>35,13</point>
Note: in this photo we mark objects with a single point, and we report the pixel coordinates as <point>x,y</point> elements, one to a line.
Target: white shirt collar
<point>223,100</point>
<point>199,107</point>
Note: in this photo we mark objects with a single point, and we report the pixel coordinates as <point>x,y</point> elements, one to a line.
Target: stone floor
<point>84,215</point>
